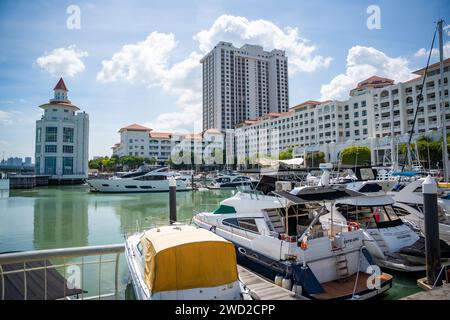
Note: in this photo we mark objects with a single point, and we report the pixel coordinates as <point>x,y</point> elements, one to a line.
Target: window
<point>67,134</point>
<point>67,165</point>
<point>248,224</point>
<point>67,149</point>
<point>50,165</point>
<point>51,134</point>
<point>37,167</point>
<point>38,135</point>
<point>50,148</point>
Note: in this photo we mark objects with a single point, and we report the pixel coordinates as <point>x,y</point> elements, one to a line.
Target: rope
<point>357,273</point>
<point>420,96</point>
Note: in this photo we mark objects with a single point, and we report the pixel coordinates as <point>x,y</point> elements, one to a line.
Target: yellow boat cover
<point>186,257</point>
<point>444,185</point>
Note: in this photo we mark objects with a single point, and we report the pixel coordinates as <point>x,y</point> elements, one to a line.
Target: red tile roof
<point>432,66</point>
<point>60,85</point>
<point>161,135</point>
<point>412,80</point>
<point>135,127</point>
<point>371,79</point>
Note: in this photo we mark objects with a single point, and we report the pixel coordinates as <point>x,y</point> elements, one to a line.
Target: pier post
<point>432,242</point>
<point>172,200</point>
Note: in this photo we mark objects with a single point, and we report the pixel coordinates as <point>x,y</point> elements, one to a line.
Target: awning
<point>293,162</point>
<point>186,257</point>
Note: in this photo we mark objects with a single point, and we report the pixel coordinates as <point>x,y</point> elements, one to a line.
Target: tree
<point>313,159</point>
<point>356,156</point>
<point>286,155</point>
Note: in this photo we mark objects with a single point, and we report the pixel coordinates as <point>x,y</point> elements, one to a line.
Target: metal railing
<point>62,259</point>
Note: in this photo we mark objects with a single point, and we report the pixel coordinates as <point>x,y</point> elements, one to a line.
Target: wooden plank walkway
<point>261,289</point>
<point>439,293</point>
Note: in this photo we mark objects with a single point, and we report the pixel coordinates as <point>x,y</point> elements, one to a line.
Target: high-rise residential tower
<point>243,83</point>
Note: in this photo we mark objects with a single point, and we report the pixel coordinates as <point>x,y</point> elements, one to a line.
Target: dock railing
<point>71,264</point>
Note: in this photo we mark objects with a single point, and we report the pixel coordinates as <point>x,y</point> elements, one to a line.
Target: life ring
<point>353,226</point>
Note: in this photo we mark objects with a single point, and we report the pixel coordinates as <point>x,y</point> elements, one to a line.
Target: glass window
<point>37,168</point>
<point>50,148</point>
<point>67,165</point>
<point>51,134</point>
<point>50,165</point>
<point>67,149</point>
<point>68,135</point>
<point>38,135</point>
<point>248,224</point>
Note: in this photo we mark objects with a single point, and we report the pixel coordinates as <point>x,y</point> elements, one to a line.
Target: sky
<point>136,61</point>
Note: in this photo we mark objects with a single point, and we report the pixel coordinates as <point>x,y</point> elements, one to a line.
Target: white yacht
<point>392,243</point>
<point>231,181</point>
<point>281,236</point>
<point>156,180</point>
<point>409,204</point>
<point>182,262</point>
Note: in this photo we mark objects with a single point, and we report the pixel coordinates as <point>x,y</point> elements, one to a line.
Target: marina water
<point>71,216</point>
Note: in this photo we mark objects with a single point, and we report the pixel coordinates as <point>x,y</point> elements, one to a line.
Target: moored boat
<point>181,262</point>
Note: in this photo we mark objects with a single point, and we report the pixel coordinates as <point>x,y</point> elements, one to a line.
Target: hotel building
<point>242,83</point>
<point>376,108</point>
<point>62,138</point>
<point>138,140</point>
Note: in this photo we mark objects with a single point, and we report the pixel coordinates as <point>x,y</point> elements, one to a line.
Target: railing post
<point>116,276</point>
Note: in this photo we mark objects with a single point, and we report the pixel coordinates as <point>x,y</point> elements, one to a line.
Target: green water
<point>56,217</point>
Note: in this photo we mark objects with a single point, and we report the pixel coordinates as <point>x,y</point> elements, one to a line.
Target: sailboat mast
<point>442,106</point>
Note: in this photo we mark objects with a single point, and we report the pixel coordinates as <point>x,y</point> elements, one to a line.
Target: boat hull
<point>132,186</point>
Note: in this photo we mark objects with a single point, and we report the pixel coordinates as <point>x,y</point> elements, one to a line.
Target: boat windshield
<point>370,217</point>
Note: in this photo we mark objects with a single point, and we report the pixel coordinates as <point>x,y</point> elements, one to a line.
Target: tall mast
<point>442,106</point>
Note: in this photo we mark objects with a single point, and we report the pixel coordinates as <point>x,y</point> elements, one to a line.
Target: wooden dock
<point>438,293</point>
<point>262,289</point>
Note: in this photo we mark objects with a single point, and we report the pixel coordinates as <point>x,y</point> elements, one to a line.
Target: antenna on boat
<point>420,97</point>
<point>441,102</point>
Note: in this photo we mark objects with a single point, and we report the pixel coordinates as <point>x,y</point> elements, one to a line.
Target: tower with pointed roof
<point>62,139</point>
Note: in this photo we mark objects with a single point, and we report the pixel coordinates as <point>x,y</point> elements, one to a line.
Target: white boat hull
<point>135,186</point>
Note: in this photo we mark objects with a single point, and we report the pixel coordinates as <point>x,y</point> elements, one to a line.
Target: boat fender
<point>286,283</point>
<point>297,289</point>
<point>278,280</point>
<point>212,229</point>
<point>353,226</point>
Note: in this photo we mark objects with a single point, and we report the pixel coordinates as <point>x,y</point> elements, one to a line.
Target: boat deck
<point>344,288</point>
<point>262,289</point>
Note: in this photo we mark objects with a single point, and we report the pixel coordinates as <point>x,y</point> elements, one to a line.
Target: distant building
<point>62,138</point>
<point>137,140</point>
<point>27,161</point>
<point>242,83</point>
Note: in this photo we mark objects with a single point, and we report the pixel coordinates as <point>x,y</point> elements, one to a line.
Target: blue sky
<point>150,51</point>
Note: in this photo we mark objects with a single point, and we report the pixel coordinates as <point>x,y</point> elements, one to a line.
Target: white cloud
<point>7,117</point>
<point>63,61</point>
<point>148,62</point>
<point>422,52</point>
<point>362,63</point>
<point>239,30</point>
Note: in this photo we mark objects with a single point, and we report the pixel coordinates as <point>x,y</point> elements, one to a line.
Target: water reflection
<point>60,219</point>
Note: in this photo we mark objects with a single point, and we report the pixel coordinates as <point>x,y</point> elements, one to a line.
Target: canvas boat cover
<point>186,257</point>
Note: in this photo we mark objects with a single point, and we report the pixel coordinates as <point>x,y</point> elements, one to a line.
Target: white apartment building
<point>242,83</point>
<point>138,140</point>
<point>376,108</point>
<point>62,138</point>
